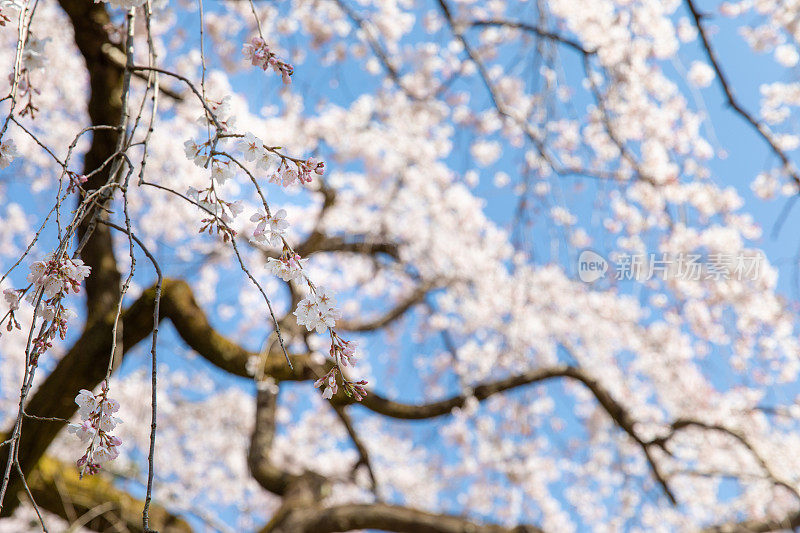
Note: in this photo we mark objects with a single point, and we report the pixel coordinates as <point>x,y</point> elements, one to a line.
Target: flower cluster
<point>303,171</point>
<point>12,299</point>
<point>257,52</point>
<point>96,425</point>
<point>198,153</point>
<point>223,212</point>
<point>317,311</point>
<point>343,353</point>
<point>53,278</point>
<point>58,276</point>
<point>33,57</point>
<point>288,267</point>
<point>270,228</point>
<point>222,112</point>
<point>221,171</point>
<point>254,150</point>
<point>8,151</point>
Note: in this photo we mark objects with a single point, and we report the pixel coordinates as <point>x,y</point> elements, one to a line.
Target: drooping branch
<point>108,86</point>
<point>507,112</point>
<point>377,49</point>
<point>531,28</point>
<point>684,423</point>
<point>82,367</point>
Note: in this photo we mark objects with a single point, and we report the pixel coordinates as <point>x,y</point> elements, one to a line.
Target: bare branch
<point>363,454</point>
<point>734,104</point>
<point>416,297</point>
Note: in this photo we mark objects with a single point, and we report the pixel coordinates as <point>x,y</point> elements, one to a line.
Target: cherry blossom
<point>12,299</point>
<point>270,228</point>
<point>251,147</point>
<point>444,168</point>
<point>8,151</point>
<point>317,311</point>
<point>260,55</point>
<point>288,266</point>
<point>97,423</point>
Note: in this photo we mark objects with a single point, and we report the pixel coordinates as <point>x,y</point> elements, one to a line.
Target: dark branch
<point>791,521</point>
<point>618,413</point>
<point>386,518</point>
<point>363,454</point>
<point>530,28</point>
<point>416,297</point>
<point>760,128</point>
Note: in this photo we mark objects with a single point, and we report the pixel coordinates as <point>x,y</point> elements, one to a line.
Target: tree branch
<point>363,454</point>
<point>791,521</point>
<point>760,128</point>
<point>530,28</point>
<point>86,495</point>
<point>317,242</point>
<point>416,297</point>
<point>307,486</point>
<point>89,21</point>
<point>618,413</point>
<point>385,518</point>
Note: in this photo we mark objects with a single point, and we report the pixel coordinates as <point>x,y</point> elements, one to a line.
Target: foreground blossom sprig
<point>52,279</point>
<point>288,267</point>
<point>57,276</point>
<point>222,212</point>
<point>257,52</point>
<point>12,298</point>
<point>8,152</point>
<point>289,170</point>
<point>95,429</point>
<point>317,311</point>
<point>343,354</point>
<point>271,228</point>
